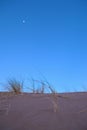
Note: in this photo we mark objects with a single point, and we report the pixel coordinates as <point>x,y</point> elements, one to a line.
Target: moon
<point>23,21</point>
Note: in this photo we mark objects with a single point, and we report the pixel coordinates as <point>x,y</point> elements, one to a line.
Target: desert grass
<point>42,86</point>
<point>37,86</point>
<point>53,96</point>
<point>14,86</point>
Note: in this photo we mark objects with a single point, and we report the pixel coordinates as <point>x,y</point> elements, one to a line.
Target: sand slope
<point>35,112</point>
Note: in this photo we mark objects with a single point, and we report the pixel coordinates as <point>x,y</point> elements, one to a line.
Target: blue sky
<point>46,37</point>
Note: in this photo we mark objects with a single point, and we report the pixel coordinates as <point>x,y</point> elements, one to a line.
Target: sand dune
<point>36,112</point>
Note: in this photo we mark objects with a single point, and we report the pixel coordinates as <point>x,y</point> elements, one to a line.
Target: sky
<point>44,37</point>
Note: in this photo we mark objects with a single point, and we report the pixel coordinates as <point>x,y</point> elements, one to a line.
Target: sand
<point>36,112</point>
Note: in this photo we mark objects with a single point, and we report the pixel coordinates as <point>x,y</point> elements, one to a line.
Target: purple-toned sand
<point>36,112</point>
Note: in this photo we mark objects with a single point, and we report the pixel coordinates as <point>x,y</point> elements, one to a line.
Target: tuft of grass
<point>53,96</point>
<point>45,85</point>
<point>41,88</point>
<point>15,86</point>
<point>37,87</point>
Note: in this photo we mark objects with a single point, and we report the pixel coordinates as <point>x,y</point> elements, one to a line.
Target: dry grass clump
<point>53,96</point>
<point>15,86</point>
<point>42,86</point>
<point>37,87</point>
